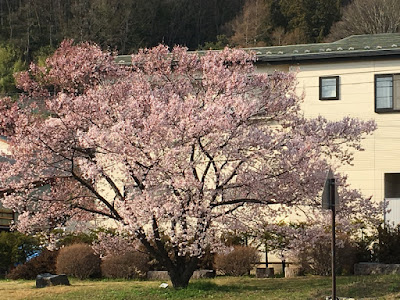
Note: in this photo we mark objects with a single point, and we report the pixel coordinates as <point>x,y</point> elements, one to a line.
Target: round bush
<point>79,261</point>
<point>238,262</point>
<point>44,263</point>
<point>129,265</point>
<point>317,260</point>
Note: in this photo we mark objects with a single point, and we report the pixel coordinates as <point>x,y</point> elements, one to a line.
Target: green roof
<point>366,45</point>
<point>124,59</point>
<point>355,46</point>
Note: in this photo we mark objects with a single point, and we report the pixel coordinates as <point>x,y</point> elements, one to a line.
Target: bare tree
<point>367,17</point>
<point>250,26</point>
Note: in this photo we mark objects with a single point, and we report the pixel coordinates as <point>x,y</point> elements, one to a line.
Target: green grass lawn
<point>308,287</point>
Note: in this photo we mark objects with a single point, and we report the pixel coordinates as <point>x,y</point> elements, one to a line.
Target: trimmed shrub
<point>387,248</point>
<point>132,264</point>
<point>317,259</point>
<point>238,262</point>
<point>44,263</point>
<point>79,261</point>
<point>21,272</point>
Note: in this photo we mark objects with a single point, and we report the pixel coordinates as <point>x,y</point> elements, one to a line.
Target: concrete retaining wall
<point>376,268</point>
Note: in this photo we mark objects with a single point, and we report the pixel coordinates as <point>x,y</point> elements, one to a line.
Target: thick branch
<point>196,176</point>
<point>99,197</point>
<point>229,211</point>
<point>34,184</point>
<point>89,152</point>
<point>244,201</point>
<point>150,248</point>
<point>94,211</point>
<point>233,174</point>
<point>134,177</point>
<point>160,245</point>
<point>113,186</point>
<point>211,160</point>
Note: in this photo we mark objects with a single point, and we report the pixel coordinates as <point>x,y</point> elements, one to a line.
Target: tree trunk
<point>180,268</point>
<point>179,280</point>
<point>182,271</point>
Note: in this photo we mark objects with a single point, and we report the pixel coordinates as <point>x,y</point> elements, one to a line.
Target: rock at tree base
<point>47,279</point>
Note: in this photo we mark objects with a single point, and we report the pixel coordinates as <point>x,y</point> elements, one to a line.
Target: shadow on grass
<point>368,286</point>
<point>204,285</point>
<point>302,288</point>
<point>203,289</point>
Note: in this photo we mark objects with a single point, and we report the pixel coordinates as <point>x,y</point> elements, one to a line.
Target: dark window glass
<point>329,88</point>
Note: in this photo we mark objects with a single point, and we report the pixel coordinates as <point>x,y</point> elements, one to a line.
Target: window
<point>387,93</point>
<point>392,198</point>
<point>329,88</point>
<point>6,218</point>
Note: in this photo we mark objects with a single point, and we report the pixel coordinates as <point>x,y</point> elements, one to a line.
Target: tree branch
<point>94,211</point>
<point>160,246</point>
<point>99,197</point>
<point>233,174</point>
<point>34,184</point>
<point>137,181</point>
<point>211,160</point>
<point>113,186</point>
<point>244,201</point>
<point>196,176</point>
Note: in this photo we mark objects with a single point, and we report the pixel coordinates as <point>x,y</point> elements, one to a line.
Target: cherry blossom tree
<point>169,149</point>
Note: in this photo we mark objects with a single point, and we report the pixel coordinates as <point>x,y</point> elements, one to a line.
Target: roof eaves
<point>327,55</point>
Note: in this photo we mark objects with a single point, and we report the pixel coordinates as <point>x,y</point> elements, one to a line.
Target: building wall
<point>3,147</point>
<point>6,215</point>
<point>382,149</point>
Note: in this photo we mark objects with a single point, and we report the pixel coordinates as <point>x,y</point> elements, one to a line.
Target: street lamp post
<point>330,200</point>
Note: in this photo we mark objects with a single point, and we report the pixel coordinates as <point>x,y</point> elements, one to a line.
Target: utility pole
<point>333,210</point>
<point>330,200</point>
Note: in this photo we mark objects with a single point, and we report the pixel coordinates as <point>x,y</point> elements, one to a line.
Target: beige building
<point>6,215</point>
<point>358,76</point>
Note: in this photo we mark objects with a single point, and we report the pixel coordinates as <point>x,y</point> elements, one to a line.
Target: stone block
<point>203,274</point>
<point>293,272</point>
<point>264,272</point>
<point>157,275</point>
<point>376,268</point>
<point>48,279</point>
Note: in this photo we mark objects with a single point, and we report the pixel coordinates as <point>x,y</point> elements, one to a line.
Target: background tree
<point>123,25</point>
<point>250,27</point>
<point>281,22</point>
<point>310,20</point>
<point>15,248</point>
<point>10,62</point>
<point>171,149</point>
<point>367,17</point>
<point>126,26</point>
